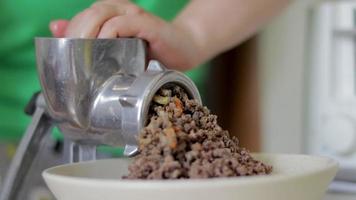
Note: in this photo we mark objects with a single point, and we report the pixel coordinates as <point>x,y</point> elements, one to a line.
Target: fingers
<point>143,26</point>
<point>88,23</point>
<point>120,26</point>
<point>58,27</point>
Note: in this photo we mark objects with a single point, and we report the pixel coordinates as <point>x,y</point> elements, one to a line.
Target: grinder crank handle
<point>27,149</point>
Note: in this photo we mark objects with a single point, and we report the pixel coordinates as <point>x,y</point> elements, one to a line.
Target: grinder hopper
<point>97,91</point>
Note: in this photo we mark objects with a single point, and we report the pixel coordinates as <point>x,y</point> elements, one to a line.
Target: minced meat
<point>183,140</point>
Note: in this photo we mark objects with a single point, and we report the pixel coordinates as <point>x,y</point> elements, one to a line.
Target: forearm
<point>202,30</point>
<point>218,25</point>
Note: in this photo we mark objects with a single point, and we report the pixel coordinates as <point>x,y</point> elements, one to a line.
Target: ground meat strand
<point>183,140</point>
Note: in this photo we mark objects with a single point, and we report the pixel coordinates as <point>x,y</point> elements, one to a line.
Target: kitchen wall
<point>281,56</point>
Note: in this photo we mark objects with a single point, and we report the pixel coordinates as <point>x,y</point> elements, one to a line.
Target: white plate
<point>295,177</point>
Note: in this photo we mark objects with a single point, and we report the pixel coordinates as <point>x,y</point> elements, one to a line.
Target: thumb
<point>58,27</point>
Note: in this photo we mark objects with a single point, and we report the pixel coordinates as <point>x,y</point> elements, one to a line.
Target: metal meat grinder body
<point>97,91</point>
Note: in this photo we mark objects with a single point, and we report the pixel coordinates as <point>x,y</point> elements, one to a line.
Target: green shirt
<point>20,22</point>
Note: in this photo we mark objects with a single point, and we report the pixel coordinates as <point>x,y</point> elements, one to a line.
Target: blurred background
<point>289,89</point>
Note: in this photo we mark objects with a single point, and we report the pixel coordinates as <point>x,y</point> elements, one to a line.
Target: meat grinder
<point>97,92</point>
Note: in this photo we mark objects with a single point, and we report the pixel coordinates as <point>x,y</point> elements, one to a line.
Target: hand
<point>173,44</point>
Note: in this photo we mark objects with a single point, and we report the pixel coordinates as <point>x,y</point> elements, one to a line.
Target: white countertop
<point>338,196</point>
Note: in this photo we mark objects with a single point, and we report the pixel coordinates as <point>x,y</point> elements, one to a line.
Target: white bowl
<point>295,177</point>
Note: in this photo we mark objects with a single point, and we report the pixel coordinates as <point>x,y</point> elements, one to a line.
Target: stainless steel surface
<point>98,90</point>
<point>339,196</point>
<point>343,186</point>
<point>26,152</point>
<point>71,72</point>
